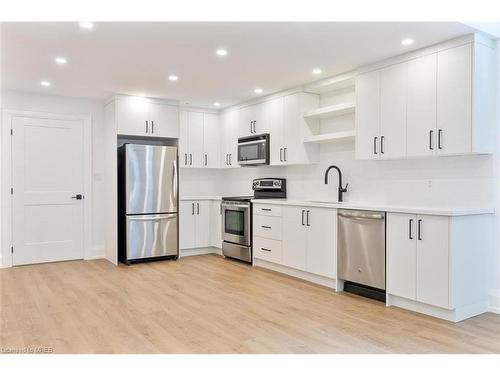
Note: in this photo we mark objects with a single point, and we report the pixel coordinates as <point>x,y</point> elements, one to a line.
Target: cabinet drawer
<point>267,209</point>
<point>267,249</point>
<point>267,227</point>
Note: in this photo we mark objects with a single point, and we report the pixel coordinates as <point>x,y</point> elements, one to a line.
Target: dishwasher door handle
<point>360,215</point>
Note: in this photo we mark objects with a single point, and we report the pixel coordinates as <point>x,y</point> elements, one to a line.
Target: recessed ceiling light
<point>141,94</point>
<point>407,42</point>
<point>86,25</point>
<point>221,52</point>
<point>45,83</point>
<point>258,91</point>
<point>173,77</point>
<point>216,104</point>
<point>60,60</point>
<point>317,71</point>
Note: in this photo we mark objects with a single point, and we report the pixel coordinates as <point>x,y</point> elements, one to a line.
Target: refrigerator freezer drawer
<point>151,236</point>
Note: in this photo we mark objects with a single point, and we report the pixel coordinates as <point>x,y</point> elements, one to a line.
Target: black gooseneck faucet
<point>342,190</point>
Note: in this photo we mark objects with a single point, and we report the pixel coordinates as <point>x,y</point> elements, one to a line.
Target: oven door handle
<point>234,205</point>
<point>258,141</point>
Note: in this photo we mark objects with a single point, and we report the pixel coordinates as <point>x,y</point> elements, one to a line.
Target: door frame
<point>6,256</point>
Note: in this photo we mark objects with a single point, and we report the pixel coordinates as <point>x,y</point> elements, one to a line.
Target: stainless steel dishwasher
<point>361,252</point>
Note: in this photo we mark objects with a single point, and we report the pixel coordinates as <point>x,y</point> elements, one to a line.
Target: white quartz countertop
<point>444,211</point>
<point>201,198</point>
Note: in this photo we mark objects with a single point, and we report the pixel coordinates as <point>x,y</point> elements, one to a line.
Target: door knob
<point>78,196</point>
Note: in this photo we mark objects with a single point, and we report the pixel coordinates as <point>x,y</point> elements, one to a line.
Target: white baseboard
<point>97,253</point>
<point>316,279</point>
<point>494,306</point>
<point>199,251</point>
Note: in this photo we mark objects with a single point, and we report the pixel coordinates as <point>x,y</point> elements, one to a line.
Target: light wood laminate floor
<point>206,304</point>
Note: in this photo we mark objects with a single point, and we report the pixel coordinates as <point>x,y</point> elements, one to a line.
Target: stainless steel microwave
<point>253,150</point>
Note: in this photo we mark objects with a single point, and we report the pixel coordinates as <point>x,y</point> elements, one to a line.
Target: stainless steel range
<point>237,217</point>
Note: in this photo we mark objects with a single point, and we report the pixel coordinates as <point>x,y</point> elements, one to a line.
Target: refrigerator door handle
<point>151,217</point>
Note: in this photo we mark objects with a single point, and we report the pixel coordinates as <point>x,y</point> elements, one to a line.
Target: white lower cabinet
<point>418,258</point>
<point>302,238</point>
<point>194,224</point>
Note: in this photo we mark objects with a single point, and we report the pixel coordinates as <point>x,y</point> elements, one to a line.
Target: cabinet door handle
<point>410,229</point>
<point>263,248</point>
<point>190,159</point>
<point>419,229</point>
<point>152,127</point>
<point>197,208</point>
<point>185,159</point>
<point>382,144</point>
<point>440,133</point>
<point>251,131</point>
<point>307,218</point>
<point>206,160</point>
<point>254,124</point>
<point>431,134</point>
<point>265,209</point>
<point>146,127</point>
<point>265,227</point>
<point>303,216</point>
<point>284,153</point>
<point>375,145</point>
<point>192,208</point>
<point>230,161</point>
<point>281,154</point>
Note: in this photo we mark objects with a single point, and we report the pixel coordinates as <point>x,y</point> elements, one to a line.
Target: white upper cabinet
<point>229,122</point>
<point>199,140</point>
<point>367,115</point>
<point>140,117</point>
<point>454,100</point>
<point>164,120</point>
<point>440,103</point>
<point>211,140</point>
<point>253,120</point>
<point>289,128</point>
<point>393,84</point>
<point>421,106</point>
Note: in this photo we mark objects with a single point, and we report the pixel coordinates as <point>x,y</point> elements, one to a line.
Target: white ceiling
<point>137,57</point>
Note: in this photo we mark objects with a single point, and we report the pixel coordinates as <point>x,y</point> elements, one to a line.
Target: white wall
<point>74,106</point>
<point>495,275</point>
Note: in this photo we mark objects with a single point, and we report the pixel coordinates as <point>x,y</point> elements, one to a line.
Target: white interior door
<point>47,171</point>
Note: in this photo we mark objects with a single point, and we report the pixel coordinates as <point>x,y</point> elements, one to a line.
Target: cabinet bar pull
<point>251,129</point>
<point>197,208</point>
<point>265,227</point>
<point>410,230</point>
<point>254,123</point>
<point>206,161</point>
<point>284,153</point>
<point>263,248</point>
<point>192,208</point>
<point>230,161</point>
<point>146,126</point>
<point>281,154</point>
<point>382,144</point>
<point>440,132</point>
<point>185,159</point>
<point>431,133</point>
<point>307,218</point>
<point>152,127</point>
<point>303,216</point>
<point>375,145</point>
<point>265,209</point>
<point>419,229</point>
<point>190,159</point>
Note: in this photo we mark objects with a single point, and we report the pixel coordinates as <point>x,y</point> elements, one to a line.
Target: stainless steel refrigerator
<point>148,202</point>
